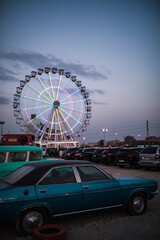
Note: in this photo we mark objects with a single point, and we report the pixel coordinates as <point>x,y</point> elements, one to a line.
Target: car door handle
<point>43,190</point>
<point>86,187</point>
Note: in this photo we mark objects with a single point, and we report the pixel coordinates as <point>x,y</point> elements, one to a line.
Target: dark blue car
<point>34,193</point>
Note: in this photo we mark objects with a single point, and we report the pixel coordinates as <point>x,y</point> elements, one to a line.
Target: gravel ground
<point>108,225</point>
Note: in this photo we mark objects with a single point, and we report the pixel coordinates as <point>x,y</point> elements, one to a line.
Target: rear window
<point>150,150</point>
<point>13,177</point>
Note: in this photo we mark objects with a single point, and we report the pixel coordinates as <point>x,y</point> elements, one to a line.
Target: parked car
<point>69,153</point>
<point>128,157</point>
<point>35,192</point>
<point>78,154</point>
<point>87,153</point>
<point>13,157</point>
<point>150,157</point>
<point>109,156</point>
<point>97,155</point>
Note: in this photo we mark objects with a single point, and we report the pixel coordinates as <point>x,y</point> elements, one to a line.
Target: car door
<point>60,190</point>
<point>100,190</point>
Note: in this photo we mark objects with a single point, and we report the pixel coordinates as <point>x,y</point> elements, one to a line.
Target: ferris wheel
<point>51,103</point>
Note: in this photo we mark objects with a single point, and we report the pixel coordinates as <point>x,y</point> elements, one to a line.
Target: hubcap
<point>138,204</point>
<point>31,221</point>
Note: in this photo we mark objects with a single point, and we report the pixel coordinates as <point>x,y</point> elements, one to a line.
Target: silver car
<point>150,157</point>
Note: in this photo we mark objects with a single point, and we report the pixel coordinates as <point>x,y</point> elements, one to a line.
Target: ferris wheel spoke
<point>39,115</point>
<point>70,95</point>
<point>65,90</point>
<point>66,121</point>
<point>39,92</point>
<point>51,86</point>
<point>52,123</point>
<point>59,123</point>
<point>58,86</point>
<point>74,110</point>
<point>25,109</point>
<point>63,119</point>
<point>35,99</point>
<point>44,124</point>
<point>45,88</point>
<point>70,116</point>
<point>73,102</point>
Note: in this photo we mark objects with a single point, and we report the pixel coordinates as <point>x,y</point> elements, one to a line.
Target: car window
<point>34,156</point>
<point>59,176</point>
<point>17,156</point>
<point>91,173</point>
<point>150,150</point>
<point>2,157</point>
<point>15,176</point>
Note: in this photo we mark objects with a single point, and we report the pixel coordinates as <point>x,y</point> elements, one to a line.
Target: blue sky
<point>112,46</point>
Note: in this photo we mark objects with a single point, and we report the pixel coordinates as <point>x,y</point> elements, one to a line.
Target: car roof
<point>20,149</point>
<point>40,168</point>
<point>58,163</point>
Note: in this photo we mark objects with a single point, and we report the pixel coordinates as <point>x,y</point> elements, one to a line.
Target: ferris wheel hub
<point>56,103</point>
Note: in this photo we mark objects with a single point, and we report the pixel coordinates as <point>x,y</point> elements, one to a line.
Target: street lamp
<point>116,134</point>
<point>2,123</point>
<point>104,130</point>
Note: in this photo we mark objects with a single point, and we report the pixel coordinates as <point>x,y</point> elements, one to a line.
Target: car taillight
<point>99,154</point>
<point>68,154</point>
<point>157,156</point>
<point>78,154</point>
<point>110,154</point>
<point>130,155</point>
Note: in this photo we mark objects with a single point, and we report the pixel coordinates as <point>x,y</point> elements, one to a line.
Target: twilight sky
<point>112,46</point>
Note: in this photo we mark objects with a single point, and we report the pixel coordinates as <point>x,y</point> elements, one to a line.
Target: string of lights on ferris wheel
<point>52,102</point>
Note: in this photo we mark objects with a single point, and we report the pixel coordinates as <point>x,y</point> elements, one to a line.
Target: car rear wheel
<point>31,219</point>
<point>137,204</point>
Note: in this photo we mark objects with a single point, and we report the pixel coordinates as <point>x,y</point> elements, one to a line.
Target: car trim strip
<point>87,210</point>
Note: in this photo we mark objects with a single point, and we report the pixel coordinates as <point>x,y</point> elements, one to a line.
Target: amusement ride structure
<point>52,105</point>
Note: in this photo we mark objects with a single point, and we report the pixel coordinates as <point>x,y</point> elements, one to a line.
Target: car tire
<point>137,204</point>
<point>49,232</point>
<point>31,219</point>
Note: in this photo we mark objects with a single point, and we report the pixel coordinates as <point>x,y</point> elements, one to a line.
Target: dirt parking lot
<point>108,225</point>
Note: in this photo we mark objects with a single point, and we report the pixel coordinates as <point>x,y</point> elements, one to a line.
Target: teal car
<point>13,157</point>
<point>36,192</point>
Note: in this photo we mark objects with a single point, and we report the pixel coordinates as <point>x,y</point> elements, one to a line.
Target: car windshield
<point>16,175</point>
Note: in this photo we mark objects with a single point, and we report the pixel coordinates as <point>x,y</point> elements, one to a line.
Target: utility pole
<point>147,129</point>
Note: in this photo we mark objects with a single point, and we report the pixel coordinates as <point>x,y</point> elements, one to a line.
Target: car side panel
<point>63,198</point>
<point>99,194</point>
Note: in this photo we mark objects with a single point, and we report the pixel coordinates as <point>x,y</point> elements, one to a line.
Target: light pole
<point>84,141</point>
<point>2,123</point>
<point>104,130</point>
<point>116,134</point>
